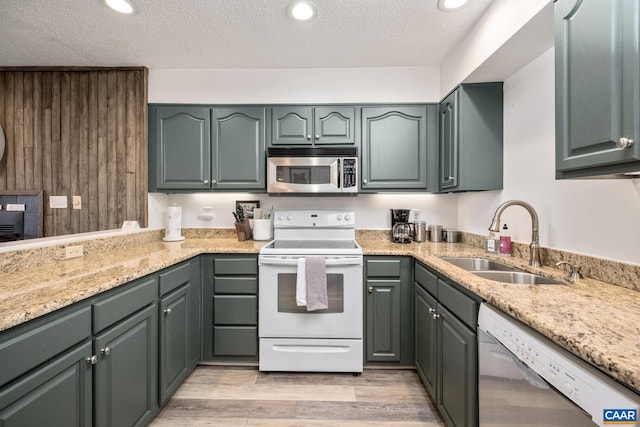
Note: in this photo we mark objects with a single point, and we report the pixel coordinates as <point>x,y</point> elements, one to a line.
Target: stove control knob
<point>566,388</point>
<point>339,217</point>
<point>288,217</point>
<point>347,218</point>
<point>280,217</point>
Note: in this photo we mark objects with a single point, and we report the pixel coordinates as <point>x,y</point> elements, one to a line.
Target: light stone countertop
<point>597,321</point>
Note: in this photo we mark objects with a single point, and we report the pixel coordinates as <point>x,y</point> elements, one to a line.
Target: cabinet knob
<point>317,136</point>
<point>450,178</point>
<point>309,137</point>
<point>92,360</point>
<point>214,182</point>
<point>364,181</point>
<point>105,351</point>
<point>166,311</point>
<point>206,181</point>
<point>432,310</point>
<point>624,142</point>
<point>370,289</point>
<point>435,316</point>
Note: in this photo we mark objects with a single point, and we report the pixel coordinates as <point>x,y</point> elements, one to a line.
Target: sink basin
<point>517,277</point>
<point>478,264</point>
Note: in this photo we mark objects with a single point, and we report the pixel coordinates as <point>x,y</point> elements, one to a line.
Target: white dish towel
<point>301,283</point>
<point>316,276</point>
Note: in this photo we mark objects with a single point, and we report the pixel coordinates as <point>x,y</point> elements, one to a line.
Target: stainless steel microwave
<point>320,170</point>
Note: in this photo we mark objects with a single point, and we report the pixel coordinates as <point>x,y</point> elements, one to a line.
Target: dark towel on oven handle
<point>316,272</point>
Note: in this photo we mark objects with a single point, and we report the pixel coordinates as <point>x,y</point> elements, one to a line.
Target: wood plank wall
<point>77,132</point>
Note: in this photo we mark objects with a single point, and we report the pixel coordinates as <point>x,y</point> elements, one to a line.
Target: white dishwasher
<point>527,380</point>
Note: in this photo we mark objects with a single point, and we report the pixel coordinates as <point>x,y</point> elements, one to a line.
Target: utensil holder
<point>243,230</point>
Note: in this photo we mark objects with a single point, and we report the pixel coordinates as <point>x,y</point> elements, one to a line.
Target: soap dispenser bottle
<point>505,241</point>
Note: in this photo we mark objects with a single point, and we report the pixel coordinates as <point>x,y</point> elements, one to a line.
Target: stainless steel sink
<point>517,277</point>
<point>478,264</point>
<point>499,272</point>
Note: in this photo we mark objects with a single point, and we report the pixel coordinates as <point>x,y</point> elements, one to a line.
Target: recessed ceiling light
<point>451,5</point>
<point>302,10</point>
<point>122,6</point>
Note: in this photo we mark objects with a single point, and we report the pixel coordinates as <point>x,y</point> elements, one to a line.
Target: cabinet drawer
<point>37,344</point>
<point>464,307</point>
<point>235,266</point>
<point>235,310</point>
<point>115,308</point>
<point>383,268</point>
<point>236,285</point>
<point>235,341</point>
<point>174,277</point>
<point>426,279</point>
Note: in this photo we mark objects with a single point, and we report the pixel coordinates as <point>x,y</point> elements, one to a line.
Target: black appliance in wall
<point>18,224</point>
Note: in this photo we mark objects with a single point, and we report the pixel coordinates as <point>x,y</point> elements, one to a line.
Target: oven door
<point>280,317</point>
<point>303,175</point>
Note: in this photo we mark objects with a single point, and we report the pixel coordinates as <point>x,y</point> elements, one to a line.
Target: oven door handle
<point>294,261</point>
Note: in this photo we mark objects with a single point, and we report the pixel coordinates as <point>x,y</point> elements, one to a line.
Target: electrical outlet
<point>76,202</point>
<point>73,251</point>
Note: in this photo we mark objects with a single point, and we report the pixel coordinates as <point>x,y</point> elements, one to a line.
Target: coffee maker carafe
<point>400,228</point>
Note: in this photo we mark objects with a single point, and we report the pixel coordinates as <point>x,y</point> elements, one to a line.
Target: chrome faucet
<point>534,247</point>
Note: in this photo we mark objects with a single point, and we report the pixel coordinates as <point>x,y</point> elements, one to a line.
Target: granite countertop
<point>597,321</point>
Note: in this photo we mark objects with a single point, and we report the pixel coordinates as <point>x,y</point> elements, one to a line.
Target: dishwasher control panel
<point>580,382</point>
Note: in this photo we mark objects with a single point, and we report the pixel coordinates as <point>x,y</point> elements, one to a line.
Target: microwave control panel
<point>349,173</point>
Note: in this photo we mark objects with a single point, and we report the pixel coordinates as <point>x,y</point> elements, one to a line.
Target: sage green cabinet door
<point>425,338</point>
<point>291,125</point>
<point>471,138</point>
<point>597,86</point>
<point>57,394</point>
<point>127,369</point>
<point>334,125</point>
<point>457,384</point>
<point>238,148</point>
<point>383,320</point>
<point>174,341</point>
<point>394,148</point>
<point>179,148</point>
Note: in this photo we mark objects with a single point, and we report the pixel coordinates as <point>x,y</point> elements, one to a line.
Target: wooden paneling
<point>77,132</point>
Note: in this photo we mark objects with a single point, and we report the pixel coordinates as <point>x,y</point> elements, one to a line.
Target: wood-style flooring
<point>238,396</point>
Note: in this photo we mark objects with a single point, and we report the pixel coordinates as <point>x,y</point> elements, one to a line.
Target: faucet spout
<point>534,247</point>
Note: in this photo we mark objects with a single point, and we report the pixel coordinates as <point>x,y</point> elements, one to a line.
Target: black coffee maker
<point>400,227</point>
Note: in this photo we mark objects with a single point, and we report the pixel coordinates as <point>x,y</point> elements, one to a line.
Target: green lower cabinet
<point>126,371</point>
<point>425,343</point>
<point>230,308</point>
<point>57,394</point>
<point>388,310</point>
<point>457,384</point>
<point>174,341</point>
<point>446,349</point>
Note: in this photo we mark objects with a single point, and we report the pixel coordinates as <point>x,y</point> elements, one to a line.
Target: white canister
<point>174,225</point>
<point>262,229</point>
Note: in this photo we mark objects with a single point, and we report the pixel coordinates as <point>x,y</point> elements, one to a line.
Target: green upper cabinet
<point>179,148</point>
<point>597,87</point>
<point>396,147</point>
<point>238,148</point>
<point>195,148</point>
<point>299,125</point>
<point>470,148</point>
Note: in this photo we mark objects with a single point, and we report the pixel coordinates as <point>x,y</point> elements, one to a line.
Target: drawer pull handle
<point>105,351</point>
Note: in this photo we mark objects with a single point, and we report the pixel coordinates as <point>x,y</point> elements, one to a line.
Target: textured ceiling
<point>230,33</point>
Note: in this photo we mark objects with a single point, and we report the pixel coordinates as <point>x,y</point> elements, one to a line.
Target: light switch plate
<point>76,202</point>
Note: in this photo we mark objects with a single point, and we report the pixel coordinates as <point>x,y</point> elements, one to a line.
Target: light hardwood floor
<point>225,396</point>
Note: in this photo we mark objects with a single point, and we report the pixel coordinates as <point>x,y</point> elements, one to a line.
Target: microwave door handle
<point>335,173</point>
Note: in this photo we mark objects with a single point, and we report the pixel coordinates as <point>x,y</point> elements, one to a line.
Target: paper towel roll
<point>174,224</point>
